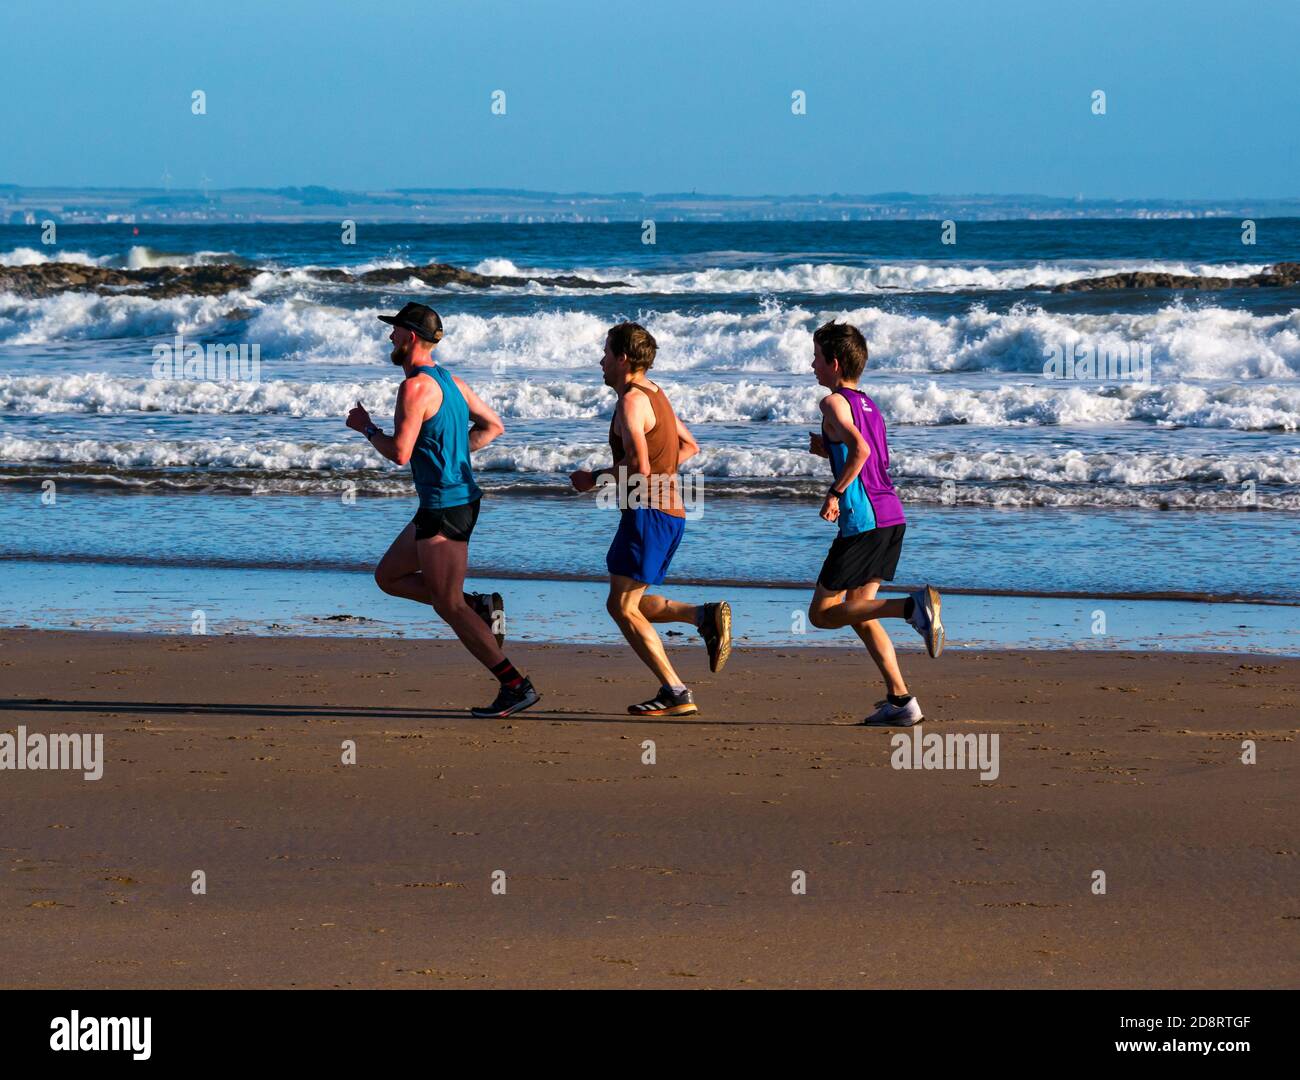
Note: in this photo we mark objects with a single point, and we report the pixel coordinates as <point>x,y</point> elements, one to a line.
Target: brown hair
<point>845,343</point>
<point>635,342</point>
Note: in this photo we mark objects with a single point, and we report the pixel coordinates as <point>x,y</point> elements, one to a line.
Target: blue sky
<point>937,96</point>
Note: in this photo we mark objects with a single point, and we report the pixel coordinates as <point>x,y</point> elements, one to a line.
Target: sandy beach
<point>223,754</point>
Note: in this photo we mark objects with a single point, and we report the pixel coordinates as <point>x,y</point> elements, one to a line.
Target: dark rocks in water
<point>436,275</point>
<point>568,281</point>
<point>156,281</point>
<point>1279,276</point>
<point>162,282</point>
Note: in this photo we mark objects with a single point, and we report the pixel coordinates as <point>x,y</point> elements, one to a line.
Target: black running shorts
<point>453,522</point>
<point>855,560</point>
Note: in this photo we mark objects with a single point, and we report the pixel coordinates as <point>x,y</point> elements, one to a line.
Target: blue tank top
<point>440,460</point>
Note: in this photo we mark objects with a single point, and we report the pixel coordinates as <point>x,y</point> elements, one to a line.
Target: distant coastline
<point>21,205</point>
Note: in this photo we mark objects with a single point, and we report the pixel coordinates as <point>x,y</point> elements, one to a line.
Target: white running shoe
<point>887,715</point>
<point>925,619</point>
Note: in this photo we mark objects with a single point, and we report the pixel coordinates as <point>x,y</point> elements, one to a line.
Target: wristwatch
<point>370,431</point>
<point>831,491</point>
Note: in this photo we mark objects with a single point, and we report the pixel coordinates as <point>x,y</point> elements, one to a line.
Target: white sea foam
<point>1184,342</point>
<point>84,316</point>
<point>144,258</point>
<point>506,268</point>
<point>300,329</point>
<point>807,277</point>
<point>909,277</point>
<point>1070,467</point>
<point>1254,407</point>
<point>26,256</point>
<point>138,257</point>
<point>269,455</point>
<point>822,278</point>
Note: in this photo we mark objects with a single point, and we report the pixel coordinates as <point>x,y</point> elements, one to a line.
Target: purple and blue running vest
<point>870,501</point>
<point>440,460</point>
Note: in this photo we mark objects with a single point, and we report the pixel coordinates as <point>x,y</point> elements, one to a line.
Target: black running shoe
<point>666,703</point>
<point>509,701</point>
<point>492,610</point>
<point>715,629</point>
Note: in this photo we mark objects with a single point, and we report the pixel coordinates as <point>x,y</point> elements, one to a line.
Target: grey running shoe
<point>887,715</point>
<point>925,619</point>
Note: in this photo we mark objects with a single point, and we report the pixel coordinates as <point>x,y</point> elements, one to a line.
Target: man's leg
<point>900,709</point>
<point>711,621</point>
<point>828,612</point>
<point>443,564</point>
<point>878,643</point>
<point>398,572</point>
<point>624,606</point>
<point>661,609</point>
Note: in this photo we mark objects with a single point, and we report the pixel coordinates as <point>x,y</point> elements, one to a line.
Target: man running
<point>426,563</point>
<point>649,442</point>
<point>863,502</point>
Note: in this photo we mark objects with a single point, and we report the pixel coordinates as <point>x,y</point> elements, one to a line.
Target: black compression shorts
<point>453,522</point>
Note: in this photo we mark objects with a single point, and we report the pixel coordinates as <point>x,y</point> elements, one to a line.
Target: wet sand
<point>223,754</point>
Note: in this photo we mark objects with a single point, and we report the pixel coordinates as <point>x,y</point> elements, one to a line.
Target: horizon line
<point>895,195</point>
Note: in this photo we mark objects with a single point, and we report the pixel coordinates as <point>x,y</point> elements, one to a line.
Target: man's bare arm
<point>687,447</point>
<point>630,419</point>
<point>409,415</point>
<point>632,416</point>
<point>487,424</point>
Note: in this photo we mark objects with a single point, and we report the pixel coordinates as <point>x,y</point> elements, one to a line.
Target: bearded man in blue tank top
<point>863,503</point>
<point>439,422</point>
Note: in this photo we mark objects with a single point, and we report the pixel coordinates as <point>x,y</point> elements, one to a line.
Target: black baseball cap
<point>419,319</point>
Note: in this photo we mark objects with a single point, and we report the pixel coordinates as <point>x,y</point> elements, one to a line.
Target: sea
<point>1080,469</point>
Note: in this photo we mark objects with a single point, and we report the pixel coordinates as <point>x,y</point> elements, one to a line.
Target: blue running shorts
<point>644,544</point>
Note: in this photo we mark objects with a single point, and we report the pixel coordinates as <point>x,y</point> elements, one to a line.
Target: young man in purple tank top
<point>863,504</point>
<point>439,422</point>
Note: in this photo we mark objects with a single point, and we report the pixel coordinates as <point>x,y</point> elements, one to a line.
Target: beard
<point>398,355</point>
